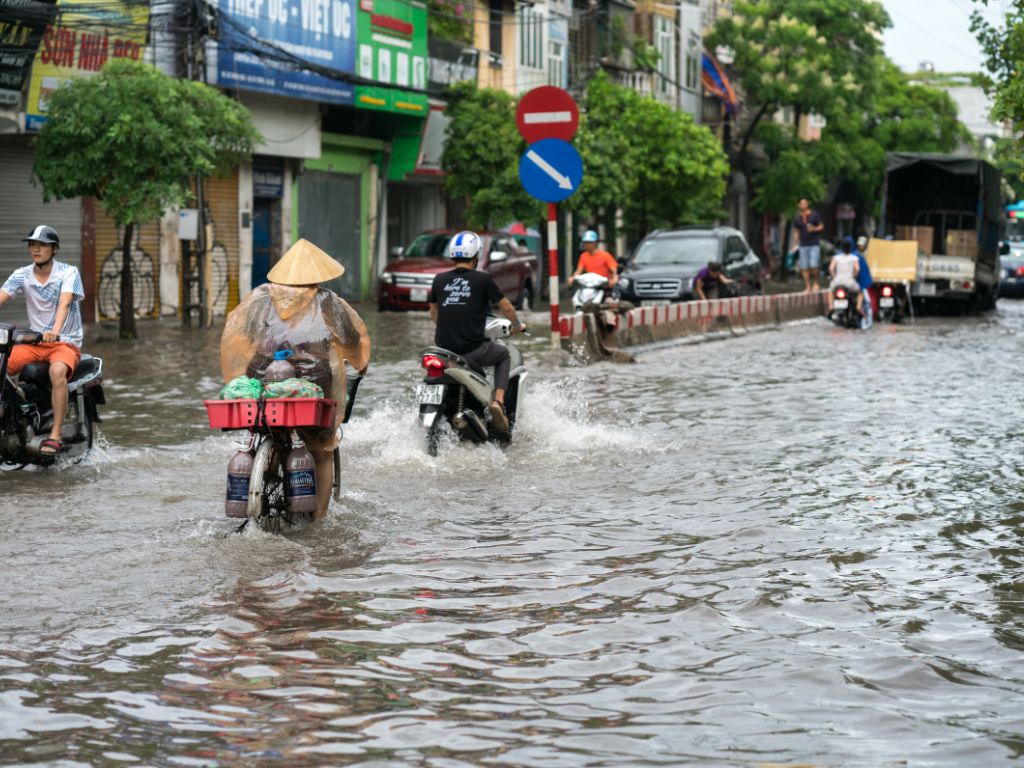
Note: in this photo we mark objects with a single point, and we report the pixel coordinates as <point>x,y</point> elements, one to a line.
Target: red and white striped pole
<point>553,273</point>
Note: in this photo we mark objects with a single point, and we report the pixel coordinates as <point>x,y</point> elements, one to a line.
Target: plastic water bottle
<point>280,369</point>
<point>300,479</point>
<point>239,469</point>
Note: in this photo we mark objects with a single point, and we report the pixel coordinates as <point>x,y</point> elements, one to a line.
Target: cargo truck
<point>951,207</point>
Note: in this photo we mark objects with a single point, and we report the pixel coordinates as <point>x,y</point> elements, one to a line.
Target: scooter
<point>591,288</point>
<point>893,302</point>
<point>844,309</point>
<point>26,415</point>
<point>458,393</point>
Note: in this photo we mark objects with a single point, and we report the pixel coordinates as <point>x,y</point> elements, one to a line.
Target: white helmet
<point>862,241</point>
<point>464,246</point>
<point>590,236</point>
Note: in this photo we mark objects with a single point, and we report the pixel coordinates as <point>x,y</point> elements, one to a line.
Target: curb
<point>714,318</point>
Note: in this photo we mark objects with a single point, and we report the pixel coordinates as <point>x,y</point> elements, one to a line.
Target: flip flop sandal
<point>498,418</point>
<point>50,447</point>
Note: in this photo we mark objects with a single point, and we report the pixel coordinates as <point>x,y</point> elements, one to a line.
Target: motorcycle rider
<point>52,290</point>
<point>864,280</point>
<point>294,311</point>
<point>594,260</point>
<point>844,269</point>
<point>459,302</point>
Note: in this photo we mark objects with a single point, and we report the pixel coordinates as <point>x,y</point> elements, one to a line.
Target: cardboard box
<point>892,260</point>
<point>925,237</point>
<point>962,242</point>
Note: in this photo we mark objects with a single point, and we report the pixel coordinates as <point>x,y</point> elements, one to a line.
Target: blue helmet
<point>464,246</point>
<point>590,236</point>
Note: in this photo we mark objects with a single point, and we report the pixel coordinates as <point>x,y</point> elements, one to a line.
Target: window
<point>693,63</point>
<point>494,22</point>
<point>531,38</point>
<point>735,248</point>
<point>556,64</point>
<point>664,42</point>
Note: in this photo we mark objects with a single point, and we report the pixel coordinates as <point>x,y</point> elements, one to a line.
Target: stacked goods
<point>962,242</point>
<point>292,387</point>
<point>245,388</point>
<point>925,237</point>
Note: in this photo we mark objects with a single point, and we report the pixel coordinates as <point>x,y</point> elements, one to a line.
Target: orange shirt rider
<point>593,260</point>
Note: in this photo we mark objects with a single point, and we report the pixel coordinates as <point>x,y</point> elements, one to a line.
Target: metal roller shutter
<point>21,208</point>
<point>222,203</point>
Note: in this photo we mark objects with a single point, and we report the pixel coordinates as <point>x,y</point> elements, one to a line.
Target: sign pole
<point>553,273</point>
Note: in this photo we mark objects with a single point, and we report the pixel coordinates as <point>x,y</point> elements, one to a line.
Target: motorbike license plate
<point>418,294</point>
<point>885,303</point>
<point>840,304</point>
<point>429,394</point>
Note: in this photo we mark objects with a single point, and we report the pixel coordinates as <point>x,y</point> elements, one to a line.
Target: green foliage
<point>134,139</point>
<point>1003,47</point>
<point>655,163</point>
<point>481,157</point>
<point>785,181</point>
<point>450,20</point>
<point>808,55</point>
<point>1008,159</point>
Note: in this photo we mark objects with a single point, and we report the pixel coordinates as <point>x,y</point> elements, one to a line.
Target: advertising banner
<point>82,39</point>
<point>393,50</point>
<point>264,45</point>
<point>21,29</point>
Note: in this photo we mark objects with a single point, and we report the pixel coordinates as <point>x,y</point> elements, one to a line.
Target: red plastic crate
<point>279,412</point>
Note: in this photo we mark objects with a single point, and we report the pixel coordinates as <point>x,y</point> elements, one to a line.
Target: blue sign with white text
<point>551,170</point>
<point>260,38</point>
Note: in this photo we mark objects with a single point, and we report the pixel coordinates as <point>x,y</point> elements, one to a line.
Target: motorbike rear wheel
<point>434,436</point>
<point>268,502</point>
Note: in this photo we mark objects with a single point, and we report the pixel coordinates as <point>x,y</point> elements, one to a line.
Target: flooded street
<point>800,546</point>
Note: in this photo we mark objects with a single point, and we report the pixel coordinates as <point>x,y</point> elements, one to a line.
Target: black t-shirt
<point>463,298</point>
<point>801,224</point>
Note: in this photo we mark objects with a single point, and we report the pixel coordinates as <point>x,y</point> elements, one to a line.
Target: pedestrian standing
<point>807,229</point>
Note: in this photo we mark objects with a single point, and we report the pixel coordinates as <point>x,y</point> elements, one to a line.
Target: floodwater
<point>803,546</point>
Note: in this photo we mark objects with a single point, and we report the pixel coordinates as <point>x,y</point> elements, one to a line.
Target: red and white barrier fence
<point>683,318</point>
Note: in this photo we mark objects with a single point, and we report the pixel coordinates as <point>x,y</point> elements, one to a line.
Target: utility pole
<point>193,260</point>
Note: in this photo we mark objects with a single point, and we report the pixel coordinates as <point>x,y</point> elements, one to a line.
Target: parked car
<point>405,283</point>
<point>1011,270</point>
<point>663,265</point>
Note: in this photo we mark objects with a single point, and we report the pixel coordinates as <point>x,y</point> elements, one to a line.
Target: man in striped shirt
<point>52,290</point>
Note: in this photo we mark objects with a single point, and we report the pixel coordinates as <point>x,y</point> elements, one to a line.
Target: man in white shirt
<point>52,290</point>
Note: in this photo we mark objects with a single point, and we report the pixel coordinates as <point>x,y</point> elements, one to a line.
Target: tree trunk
<point>127,328</point>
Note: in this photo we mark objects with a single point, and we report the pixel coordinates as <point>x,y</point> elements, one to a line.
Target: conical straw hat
<point>305,264</point>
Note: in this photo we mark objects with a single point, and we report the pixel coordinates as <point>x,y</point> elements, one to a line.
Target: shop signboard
<point>392,36</point>
<point>83,38</point>
<point>287,47</point>
<point>22,23</point>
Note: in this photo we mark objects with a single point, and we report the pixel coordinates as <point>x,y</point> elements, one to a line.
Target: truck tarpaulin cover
<point>924,173</point>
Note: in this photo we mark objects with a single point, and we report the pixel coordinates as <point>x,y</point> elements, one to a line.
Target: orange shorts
<point>54,352</point>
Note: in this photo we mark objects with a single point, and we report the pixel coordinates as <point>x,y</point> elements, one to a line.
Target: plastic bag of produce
<point>293,387</point>
<point>242,388</point>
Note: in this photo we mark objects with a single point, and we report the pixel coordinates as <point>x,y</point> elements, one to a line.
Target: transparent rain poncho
<point>319,328</point>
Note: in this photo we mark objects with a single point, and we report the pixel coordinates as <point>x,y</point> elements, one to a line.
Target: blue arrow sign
<point>551,170</point>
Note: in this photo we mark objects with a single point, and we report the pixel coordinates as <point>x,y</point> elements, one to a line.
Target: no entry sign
<point>547,113</point>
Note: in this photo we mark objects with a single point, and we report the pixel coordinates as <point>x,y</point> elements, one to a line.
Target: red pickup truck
<point>405,283</point>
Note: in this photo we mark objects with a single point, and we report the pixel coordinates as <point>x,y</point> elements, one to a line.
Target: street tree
<point>481,157</point>
<point>1003,47</point>
<point>135,139</point>
<point>642,156</point>
<point>798,58</point>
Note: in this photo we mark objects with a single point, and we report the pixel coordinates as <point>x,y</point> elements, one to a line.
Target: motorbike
<point>26,415</point>
<point>844,309</point>
<point>893,302</point>
<point>591,288</point>
<point>458,393</point>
